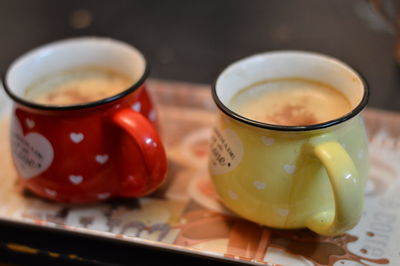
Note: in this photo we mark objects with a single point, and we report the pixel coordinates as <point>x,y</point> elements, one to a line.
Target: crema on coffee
<point>290,102</point>
<point>78,86</point>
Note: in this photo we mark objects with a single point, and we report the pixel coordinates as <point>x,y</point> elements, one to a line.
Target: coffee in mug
<point>78,86</point>
<point>290,102</point>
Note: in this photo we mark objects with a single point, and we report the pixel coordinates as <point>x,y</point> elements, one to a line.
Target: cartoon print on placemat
<point>146,218</point>
<point>244,240</point>
<point>195,147</point>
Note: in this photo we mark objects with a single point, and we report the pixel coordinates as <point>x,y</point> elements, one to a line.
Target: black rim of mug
<point>100,102</point>
<point>339,120</point>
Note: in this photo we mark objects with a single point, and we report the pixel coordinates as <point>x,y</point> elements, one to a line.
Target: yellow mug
<point>291,176</point>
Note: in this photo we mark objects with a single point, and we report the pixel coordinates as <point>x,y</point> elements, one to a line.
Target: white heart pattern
<point>137,107</point>
<point>282,212</point>
<point>30,123</point>
<point>103,195</point>
<point>361,155</point>
<point>76,179</point>
<point>232,195</point>
<point>101,158</point>
<point>152,115</point>
<point>76,137</point>
<point>33,153</point>
<point>289,168</point>
<point>50,192</point>
<point>259,185</point>
<point>267,140</point>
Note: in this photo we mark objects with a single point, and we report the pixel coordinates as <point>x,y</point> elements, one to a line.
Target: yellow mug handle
<point>346,185</point>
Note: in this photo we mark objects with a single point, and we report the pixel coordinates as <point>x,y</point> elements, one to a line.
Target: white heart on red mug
<point>76,137</point>
<point>50,192</point>
<point>76,179</point>
<point>30,123</point>
<point>152,115</point>
<point>101,158</point>
<point>137,106</point>
<point>103,196</point>
<point>32,153</point>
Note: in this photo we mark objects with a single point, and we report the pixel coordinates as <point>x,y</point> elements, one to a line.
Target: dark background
<point>194,40</point>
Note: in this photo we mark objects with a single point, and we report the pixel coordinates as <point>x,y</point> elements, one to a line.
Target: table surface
<point>193,41</point>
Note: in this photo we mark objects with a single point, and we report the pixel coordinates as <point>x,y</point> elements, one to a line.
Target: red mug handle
<point>146,137</point>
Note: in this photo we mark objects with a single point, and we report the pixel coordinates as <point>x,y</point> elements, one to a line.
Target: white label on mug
<point>226,151</point>
<point>32,153</point>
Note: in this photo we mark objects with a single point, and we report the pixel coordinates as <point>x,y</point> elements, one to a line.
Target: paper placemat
<point>185,215</point>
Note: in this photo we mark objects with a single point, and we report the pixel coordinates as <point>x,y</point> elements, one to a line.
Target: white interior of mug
<point>289,64</point>
<point>73,53</point>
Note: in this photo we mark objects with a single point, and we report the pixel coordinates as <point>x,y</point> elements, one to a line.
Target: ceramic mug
<point>92,151</point>
<point>291,176</point>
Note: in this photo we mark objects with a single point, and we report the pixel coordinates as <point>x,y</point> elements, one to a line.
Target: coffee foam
<point>77,86</point>
<point>290,102</point>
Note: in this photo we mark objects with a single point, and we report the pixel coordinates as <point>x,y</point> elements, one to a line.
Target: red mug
<point>85,152</point>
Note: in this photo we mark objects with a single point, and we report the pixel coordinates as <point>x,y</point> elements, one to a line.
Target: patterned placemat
<point>184,214</point>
